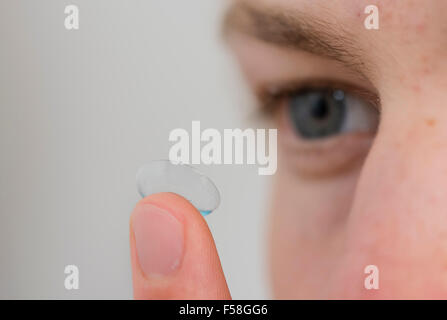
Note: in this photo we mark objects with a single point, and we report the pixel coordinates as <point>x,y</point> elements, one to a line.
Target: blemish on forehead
<point>430,122</point>
<point>421,27</point>
<point>424,58</point>
<point>416,88</point>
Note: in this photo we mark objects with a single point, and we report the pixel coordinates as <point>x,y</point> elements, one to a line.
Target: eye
<point>321,113</point>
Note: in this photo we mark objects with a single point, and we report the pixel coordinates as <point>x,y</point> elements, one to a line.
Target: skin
<point>373,199</point>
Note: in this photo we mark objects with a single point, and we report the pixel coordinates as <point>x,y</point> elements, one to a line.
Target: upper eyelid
<point>270,94</point>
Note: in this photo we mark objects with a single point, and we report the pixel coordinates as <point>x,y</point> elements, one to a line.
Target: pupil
<point>320,110</point>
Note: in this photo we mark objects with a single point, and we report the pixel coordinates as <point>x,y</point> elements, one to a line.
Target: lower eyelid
<point>347,153</point>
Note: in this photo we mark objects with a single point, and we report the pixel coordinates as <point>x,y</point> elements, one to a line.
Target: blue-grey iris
<point>317,114</point>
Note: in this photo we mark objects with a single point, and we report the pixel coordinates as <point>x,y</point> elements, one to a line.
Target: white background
<point>80,111</point>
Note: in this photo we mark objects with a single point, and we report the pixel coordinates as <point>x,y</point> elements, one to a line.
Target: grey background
<point>80,111</point>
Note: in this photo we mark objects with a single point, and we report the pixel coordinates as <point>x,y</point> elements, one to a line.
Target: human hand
<point>173,254</point>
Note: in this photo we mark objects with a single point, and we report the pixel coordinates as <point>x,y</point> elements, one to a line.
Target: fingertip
<point>177,205</point>
<point>173,252</point>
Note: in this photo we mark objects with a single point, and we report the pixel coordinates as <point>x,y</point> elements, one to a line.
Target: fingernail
<point>159,240</point>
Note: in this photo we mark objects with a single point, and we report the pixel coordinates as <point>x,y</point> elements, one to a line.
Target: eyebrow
<point>299,31</point>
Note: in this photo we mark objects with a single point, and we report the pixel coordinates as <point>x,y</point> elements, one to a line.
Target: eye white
<point>360,116</point>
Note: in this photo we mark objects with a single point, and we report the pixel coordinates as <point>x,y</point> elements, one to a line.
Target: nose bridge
<point>398,220</point>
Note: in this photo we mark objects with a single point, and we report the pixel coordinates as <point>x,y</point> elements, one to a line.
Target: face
<point>362,142</point>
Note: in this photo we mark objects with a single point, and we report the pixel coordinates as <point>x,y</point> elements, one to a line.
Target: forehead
<point>396,15</point>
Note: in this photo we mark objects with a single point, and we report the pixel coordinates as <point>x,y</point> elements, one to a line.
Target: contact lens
<point>185,180</point>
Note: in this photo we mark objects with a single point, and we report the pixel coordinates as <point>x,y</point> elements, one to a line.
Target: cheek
<point>398,221</point>
<point>306,228</point>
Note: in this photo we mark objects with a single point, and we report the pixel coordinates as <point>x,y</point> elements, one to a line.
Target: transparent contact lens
<point>185,180</point>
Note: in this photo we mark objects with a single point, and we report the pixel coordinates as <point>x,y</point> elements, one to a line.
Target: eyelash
<point>270,96</point>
